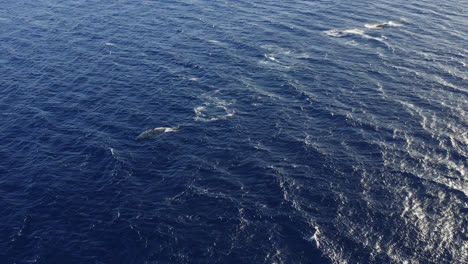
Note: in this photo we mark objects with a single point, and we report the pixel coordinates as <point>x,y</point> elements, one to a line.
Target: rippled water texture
<point>301,131</point>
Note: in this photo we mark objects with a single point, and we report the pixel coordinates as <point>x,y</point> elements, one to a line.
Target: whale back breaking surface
<point>151,133</point>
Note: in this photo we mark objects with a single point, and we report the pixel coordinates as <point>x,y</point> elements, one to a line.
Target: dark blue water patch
<point>296,145</point>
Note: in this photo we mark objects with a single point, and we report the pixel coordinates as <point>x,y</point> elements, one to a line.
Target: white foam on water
<point>213,109</point>
<point>280,57</point>
<point>453,71</point>
<point>272,62</point>
<point>316,237</point>
<point>190,78</point>
<point>436,221</point>
<point>381,90</point>
<point>270,57</point>
<point>112,151</point>
<point>430,214</point>
<point>443,82</point>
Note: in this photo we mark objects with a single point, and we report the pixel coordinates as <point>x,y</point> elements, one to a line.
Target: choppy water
<point>312,131</point>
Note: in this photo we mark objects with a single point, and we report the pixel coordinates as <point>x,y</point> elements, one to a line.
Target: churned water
<point>301,131</point>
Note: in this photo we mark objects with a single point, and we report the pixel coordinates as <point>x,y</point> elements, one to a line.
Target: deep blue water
<point>311,131</point>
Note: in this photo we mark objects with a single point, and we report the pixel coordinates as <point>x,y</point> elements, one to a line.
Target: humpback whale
<point>150,133</point>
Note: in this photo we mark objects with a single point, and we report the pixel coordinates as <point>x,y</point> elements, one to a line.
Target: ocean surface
<point>300,131</point>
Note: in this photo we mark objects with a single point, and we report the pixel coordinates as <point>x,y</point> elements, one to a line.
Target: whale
<point>382,25</point>
<point>151,133</point>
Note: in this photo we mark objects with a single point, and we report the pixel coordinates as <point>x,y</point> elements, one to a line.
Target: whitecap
<point>274,63</point>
